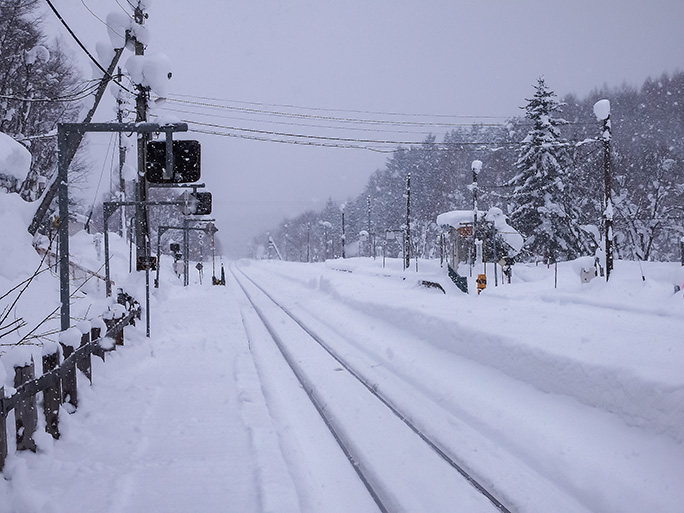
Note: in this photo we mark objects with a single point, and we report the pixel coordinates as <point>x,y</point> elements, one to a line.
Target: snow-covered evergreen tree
<point>540,203</point>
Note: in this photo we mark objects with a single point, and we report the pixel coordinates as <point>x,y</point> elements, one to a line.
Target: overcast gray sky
<point>476,58</point>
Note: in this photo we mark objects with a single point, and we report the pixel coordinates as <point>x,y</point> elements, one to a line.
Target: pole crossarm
<point>109,207</point>
<point>178,185</point>
<point>139,128</point>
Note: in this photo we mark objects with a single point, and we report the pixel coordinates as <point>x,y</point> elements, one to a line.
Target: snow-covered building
<point>458,224</point>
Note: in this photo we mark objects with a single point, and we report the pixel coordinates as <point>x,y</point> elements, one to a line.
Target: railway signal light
<point>186,162</point>
<point>196,203</point>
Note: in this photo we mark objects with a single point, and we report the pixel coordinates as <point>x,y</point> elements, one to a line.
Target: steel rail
<point>374,391</point>
<point>308,388</point>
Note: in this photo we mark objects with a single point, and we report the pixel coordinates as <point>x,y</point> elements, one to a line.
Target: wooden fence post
<point>84,362</point>
<point>95,333</point>
<point>52,396</point>
<point>69,384</point>
<point>3,430</point>
<point>25,413</point>
<point>108,318</point>
<point>118,334</point>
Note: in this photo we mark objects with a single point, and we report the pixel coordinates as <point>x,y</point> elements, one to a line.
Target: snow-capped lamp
<point>602,110</point>
<point>602,113</point>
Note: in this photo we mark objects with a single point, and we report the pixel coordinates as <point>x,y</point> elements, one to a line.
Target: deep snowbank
<point>620,350</point>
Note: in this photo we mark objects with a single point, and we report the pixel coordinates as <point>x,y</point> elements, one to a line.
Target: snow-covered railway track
<point>402,467</point>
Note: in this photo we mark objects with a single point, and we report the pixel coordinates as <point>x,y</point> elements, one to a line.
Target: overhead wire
<point>318,117</point>
<point>82,46</point>
<point>337,139</point>
<point>84,93</point>
<point>99,181</point>
<point>294,142</point>
<point>102,21</point>
<point>294,123</point>
<point>263,117</point>
<point>124,9</point>
<point>324,109</point>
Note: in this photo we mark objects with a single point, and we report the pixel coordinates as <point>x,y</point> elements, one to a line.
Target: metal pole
<point>608,212</point>
<point>496,280</point>
<point>63,140</point>
<point>108,286</point>
<point>186,252</point>
<point>344,237</point>
<point>159,234</point>
<point>122,161</point>
<point>475,169</point>
<point>147,297</point>
<point>407,233</point>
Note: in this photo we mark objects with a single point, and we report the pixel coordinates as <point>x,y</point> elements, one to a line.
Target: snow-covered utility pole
<point>141,106</point>
<point>602,112</point>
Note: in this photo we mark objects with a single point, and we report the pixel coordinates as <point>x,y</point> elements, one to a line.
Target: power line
<point>78,41</point>
<point>294,123</point>
<point>101,20</point>
<point>344,139</point>
<point>323,109</point>
<point>124,9</point>
<point>319,117</point>
<point>84,93</point>
<point>289,141</point>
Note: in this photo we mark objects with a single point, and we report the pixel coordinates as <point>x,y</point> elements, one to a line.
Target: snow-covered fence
<point>58,381</point>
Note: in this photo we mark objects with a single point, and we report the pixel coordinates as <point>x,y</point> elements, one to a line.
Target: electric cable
<point>294,123</point>
<point>178,98</point>
<point>101,20</point>
<point>78,41</point>
<point>124,9</point>
<point>66,99</point>
<point>342,139</point>
<point>312,116</point>
<point>355,111</point>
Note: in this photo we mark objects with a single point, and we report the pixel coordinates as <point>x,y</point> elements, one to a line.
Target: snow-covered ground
<point>558,399</point>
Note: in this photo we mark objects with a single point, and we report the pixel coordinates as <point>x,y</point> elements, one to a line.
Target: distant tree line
<point>543,169</point>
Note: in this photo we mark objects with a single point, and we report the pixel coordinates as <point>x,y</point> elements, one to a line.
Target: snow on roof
<point>495,215</point>
<point>15,159</point>
<point>507,232</point>
<point>456,218</point>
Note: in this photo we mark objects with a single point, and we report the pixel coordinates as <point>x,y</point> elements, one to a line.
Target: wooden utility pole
<point>52,189</point>
<point>141,104</point>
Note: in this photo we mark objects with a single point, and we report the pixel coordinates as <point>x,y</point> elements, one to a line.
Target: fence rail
<point>57,382</point>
